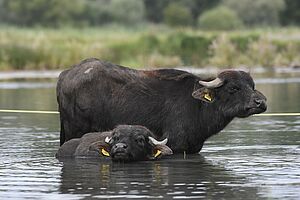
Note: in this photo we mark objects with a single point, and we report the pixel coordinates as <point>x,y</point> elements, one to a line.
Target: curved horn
<point>155,142</point>
<point>217,82</point>
<point>107,140</point>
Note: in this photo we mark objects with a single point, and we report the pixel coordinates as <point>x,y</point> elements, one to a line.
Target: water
<point>253,158</point>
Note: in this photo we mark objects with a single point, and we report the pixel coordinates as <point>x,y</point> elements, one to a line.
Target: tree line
<point>206,14</point>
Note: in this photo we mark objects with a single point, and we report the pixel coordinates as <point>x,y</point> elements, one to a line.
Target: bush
<point>53,49</point>
<point>223,53</point>
<point>20,57</point>
<point>127,12</point>
<point>41,12</point>
<point>192,49</point>
<point>220,18</point>
<point>59,13</point>
<point>148,43</point>
<point>242,41</point>
<point>291,14</point>
<point>144,45</point>
<point>257,12</point>
<point>177,15</point>
<point>172,44</point>
<point>263,51</point>
<point>97,12</point>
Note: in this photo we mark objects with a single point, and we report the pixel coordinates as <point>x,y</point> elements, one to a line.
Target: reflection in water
<point>27,167</point>
<point>266,152</point>
<point>29,99</point>
<point>194,178</point>
<point>253,158</point>
<point>281,97</point>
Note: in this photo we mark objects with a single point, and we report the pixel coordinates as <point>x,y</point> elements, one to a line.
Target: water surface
<point>253,158</point>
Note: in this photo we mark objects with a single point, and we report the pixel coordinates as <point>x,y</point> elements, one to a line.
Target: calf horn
<point>155,142</point>
<point>107,140</point>
<point>217,82</point>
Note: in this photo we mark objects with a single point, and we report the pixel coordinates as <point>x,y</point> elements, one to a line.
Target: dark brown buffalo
<point>124,143</point>
<point>174,104</point>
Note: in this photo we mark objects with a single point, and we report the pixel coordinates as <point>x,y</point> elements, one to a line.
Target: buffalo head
<point>234,94</point>
<point>132,143</point>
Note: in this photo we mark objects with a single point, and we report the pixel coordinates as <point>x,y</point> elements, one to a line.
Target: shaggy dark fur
<point>126,143</point>
<point>96,96</point>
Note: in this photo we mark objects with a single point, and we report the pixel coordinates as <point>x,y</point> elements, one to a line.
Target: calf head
<point>132,143</point>
<point>233,93</point>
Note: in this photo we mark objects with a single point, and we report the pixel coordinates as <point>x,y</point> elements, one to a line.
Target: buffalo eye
<point>115,138</point>
<point>233,89</point>
<point>140,141</point>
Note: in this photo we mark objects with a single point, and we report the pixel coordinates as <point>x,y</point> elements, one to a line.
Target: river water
<point>253,158</point>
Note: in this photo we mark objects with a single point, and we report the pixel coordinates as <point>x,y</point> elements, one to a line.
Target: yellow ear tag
<point>104,152</point>
<point>207,97</point>
<point>158,153</point>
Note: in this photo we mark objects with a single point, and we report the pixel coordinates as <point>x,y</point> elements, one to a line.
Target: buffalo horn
<point>155,142</point>
<point>107,139</point>
<point>217,82</point>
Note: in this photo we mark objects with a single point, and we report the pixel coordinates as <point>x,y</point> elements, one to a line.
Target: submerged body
<point>174,104</point>
<point>124,143</point>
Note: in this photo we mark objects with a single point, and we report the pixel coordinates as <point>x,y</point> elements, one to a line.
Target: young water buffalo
<point>174,104</point>
<point>124,143</point>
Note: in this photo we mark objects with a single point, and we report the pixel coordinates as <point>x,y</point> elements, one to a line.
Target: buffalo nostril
<point>258,102</point>
<point>121,145</point>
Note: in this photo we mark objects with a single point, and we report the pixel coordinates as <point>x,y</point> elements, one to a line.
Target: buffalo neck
<point>212,119</point>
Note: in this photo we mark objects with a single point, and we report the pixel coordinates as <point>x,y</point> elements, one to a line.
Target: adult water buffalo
<point>124,143</point>
<point>174,104</point>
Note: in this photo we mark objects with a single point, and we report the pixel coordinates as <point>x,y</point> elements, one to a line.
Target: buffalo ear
<point>159,148</point>
<point>162,150</point>
<point>101,147</point>
<point>159,151</point>
<point>204,94</point>
<point>165,150</point>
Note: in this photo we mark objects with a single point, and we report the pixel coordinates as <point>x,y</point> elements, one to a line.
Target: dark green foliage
<point>53,49</point>
<point>21,56</point>
<point>172,44</point>
<point>145,45</point>
<point>154,10</point>
<point>242,42</point>
<point>177,15</point>
<point>97,13</point>
<point>129,12</point>
<point>41,12</point>
<point>58,13</point>
<point>148,43</point>
<point>220,18</point>
<point>198,7</point>
<point>195,49</point>
<point>192,49</point>
<point>257,12</point>
<point>61,13</point>
<point>291,14</point>
<point>120,52</point>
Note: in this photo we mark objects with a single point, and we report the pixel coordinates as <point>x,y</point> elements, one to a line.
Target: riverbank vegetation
<point>54,34</point>
<point>154,46</point>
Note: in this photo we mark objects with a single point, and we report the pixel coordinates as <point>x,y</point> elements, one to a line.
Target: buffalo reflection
<point>174,177</point>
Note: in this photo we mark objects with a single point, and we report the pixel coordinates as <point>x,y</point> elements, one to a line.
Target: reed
<point>40,48</point>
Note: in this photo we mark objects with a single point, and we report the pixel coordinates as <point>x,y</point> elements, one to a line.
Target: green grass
<point>154,46</point>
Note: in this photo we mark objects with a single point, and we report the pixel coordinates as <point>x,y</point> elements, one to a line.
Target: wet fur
<point>161,100</point>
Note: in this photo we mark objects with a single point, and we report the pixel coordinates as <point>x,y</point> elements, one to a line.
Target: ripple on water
<point>25,85</point>
<point>23,173</point>
<point>248,160</point>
